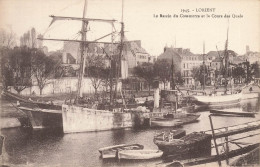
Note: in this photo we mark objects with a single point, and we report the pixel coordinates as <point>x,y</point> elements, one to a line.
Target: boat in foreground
<point>177,120</point>
<point>111,151</point>
<point>139,154</point>
<point>190,145</point>
<point>40,114</point>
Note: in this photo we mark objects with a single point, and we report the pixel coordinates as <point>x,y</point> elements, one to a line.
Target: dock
<point>220,157</point>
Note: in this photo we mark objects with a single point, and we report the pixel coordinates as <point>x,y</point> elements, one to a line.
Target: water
<point>53,148</point>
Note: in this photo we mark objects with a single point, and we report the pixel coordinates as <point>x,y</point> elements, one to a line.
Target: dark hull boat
<point>112,151</point>
<point>188,146</point>
<point>41,115</point>
<point>177,120</point>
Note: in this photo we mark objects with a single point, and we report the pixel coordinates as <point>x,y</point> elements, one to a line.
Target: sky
<point>141,23</point>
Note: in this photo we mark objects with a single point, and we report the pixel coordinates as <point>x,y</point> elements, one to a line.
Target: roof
<point>171,55</point>
<point>221,53</point>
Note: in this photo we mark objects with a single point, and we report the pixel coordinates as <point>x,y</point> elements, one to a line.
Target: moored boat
<point>40,114</point>
<point>111,151</point>
<point>172,134</point>
<point>139,154</point>
<point>216,100</point>
<point>177,120</point>
<point>189,145</point>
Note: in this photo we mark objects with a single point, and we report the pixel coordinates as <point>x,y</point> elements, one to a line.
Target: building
<point>184,61</point>
<point>133,54</point>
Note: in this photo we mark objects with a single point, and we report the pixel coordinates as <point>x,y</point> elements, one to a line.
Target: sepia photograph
<point>125,83</point>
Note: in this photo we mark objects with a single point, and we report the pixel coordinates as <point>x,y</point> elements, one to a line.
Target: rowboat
<point>233,113</point>
<point>139,154</point>
<point>111,151</point>
<point>177,120</point>
<point>191,145</point>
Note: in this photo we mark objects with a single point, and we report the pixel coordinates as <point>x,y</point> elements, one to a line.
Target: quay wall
<point>80,119</point>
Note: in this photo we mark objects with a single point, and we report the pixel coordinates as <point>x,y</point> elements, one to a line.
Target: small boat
<point>111,151</point>
<point>172,134</point>
<point>139,154</point>
<point>191,145</point>
<point>233,113</point>
<point>177,120</point>
<point>215,101</point>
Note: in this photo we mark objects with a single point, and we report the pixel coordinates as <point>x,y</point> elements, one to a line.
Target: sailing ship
<point>79,118</point>
<point>213,100</point>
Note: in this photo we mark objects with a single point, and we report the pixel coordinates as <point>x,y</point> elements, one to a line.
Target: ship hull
<point>43,118</point>
<point>79,119</point>
<point>216,101</point>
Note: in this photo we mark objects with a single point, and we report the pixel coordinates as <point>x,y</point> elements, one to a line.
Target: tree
<point>198,74</point>
<point>255,71</point>
<point>43,68</point>
<point>96,70</point>
<point>17,69</point>
<point>163,70</point>
<point>6,70</point>
<point>179,79</point>
<point>146,71</point>
<point>29,39</point>
<point>7,38</point>
<point>238,73</point>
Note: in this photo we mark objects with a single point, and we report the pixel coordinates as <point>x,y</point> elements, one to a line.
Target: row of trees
<point>243,71</point>
<point>161,70</point>
<point>21,65</point>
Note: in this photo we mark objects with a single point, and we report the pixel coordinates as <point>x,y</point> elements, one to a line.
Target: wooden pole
<point>227,147</point>
<point>214,139</point>
<point>83,54</point>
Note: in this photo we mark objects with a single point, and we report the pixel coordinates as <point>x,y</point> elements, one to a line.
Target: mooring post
<point>214,139</point>
<point>227,147</point>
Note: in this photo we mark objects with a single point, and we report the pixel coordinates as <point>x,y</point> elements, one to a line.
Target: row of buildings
<point>133,55</point>
<point>184,60</point>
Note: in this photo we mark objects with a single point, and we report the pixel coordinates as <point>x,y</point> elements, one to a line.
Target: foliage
<point>43,68</point>
<point>163,70</point>
<point>255,71</point>
<point>7,38</point>
<point>96,71</point>
<point>179,79</point>
<point>146,71</point>
<point>238,72</point>
<point>198,74</point>
<point>16,68</point>
<point>29,39</point>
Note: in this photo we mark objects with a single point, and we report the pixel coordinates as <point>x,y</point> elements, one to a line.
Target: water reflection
<point>53,148</point>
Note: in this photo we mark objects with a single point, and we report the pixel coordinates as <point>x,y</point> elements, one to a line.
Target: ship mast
<point>119,57</point>
<point>83,42</point>
<point>83,54</point>
<point>226,58</point>
<point>204,72</point>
